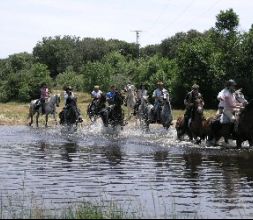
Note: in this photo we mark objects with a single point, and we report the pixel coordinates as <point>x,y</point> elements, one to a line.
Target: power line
<point>137,41</point>
<point>206,11</point>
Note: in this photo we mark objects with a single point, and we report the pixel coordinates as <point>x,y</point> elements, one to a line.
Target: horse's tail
<point>31,110</point>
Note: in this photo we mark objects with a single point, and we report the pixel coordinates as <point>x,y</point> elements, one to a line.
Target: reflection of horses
<point>147,116</point>
<point>113,115</point>
<point>242,131</point>
<point>93,110</point>
<point>49,109</point>
<point>130,99</point>
<point>198,125</point>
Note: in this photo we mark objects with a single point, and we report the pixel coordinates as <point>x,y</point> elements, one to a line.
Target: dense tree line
<point>209,59</point>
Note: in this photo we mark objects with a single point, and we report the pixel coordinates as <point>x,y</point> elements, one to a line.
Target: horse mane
<point>248,107</point>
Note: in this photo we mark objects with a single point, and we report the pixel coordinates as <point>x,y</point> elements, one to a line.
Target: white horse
<point>50,107</point>
<point>146,113</point>
<point>130,99</point>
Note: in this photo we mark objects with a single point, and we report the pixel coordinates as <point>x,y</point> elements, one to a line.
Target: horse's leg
<point>37,119</point>
<point>46,120</point>
<point>31,122</point>
<point>239,143</point>
<point>54,116</point>
<point>250,142</point>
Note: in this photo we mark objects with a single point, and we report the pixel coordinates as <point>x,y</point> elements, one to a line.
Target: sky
<point>24,23</point>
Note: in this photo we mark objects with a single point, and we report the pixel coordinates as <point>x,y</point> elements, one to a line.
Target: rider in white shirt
<point>96,93</point>
<point>159,94</point>
<point>231,105</point>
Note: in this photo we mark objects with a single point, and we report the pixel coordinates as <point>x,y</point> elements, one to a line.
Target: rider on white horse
<point>142,93</point>
<point>44,95</point>
<point>159,94</point>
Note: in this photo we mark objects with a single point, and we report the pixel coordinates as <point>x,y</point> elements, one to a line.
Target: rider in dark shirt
<point>189,102</point>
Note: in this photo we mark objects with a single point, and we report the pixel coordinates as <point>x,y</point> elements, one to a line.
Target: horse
<point>130,99</point>
<point>94,108</point>
<point>244,130</point>
<point>217,130</point>
<point>50,108</point>
<point>113,115</point>
<point>197,129</point>
<point>147,116</point>
<point>70,116</point>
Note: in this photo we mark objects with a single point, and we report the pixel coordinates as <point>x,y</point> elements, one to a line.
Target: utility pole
<point>137,42</point>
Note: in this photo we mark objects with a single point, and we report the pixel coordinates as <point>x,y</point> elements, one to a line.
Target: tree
<point>227,21</point>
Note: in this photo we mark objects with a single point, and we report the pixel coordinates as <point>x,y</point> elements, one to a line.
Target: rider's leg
<point>187,117</point>
<point>43,102</point>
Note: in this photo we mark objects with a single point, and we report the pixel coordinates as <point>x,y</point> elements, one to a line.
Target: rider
<point>66,95</point>
<point>96,93</point>
<point>70,101</point>
<point>111,95</point>
<point>44,95</point>
<point>231,105</point>
<point>159,95</point>
<point>221,100</point>
<point>141,94</point>
<point>189,102</point>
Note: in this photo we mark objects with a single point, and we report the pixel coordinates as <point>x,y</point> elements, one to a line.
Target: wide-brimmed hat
<point>231,82</point>
<point>160,83</point>
<point>69,88</point>
<point>96,87</point>
<point>195,86</point>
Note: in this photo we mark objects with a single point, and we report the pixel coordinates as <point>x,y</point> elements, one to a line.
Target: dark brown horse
<point>244,129</point>
<point>198,126</point>
<point>241,131</point>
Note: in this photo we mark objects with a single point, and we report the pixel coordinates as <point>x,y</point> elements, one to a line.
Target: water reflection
<point>192,162</point>
<point>139,170</point>
<point>68,148</point>
<point>113,153</point>
<point>161,157</point>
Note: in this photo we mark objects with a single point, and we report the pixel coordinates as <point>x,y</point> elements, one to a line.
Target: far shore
<point>15,113</point>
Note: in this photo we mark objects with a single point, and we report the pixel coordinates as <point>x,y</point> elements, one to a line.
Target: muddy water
<point>152,173</point>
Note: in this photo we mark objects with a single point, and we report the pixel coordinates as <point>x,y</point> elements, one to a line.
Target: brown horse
<point>198,126</point>
<point>243,131</point>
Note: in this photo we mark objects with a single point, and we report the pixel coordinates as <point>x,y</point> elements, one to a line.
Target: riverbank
<point>15,113</point>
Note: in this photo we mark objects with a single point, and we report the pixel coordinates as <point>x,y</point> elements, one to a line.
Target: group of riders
<point>106,103</point>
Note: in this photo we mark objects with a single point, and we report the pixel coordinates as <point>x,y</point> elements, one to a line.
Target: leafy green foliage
<point>208,59</point>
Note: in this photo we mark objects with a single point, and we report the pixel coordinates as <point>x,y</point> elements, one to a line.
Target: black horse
<point>70,115</point>
<point>113,115</point>
<point>96,106</point>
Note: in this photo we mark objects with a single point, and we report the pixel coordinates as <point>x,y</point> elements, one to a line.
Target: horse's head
<point>102,99</point>
<point>118,99</point>
<point>240,97</point>
<point>199,106</point>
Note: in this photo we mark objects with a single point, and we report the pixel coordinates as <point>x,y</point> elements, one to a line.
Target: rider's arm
<point>187,101</point>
